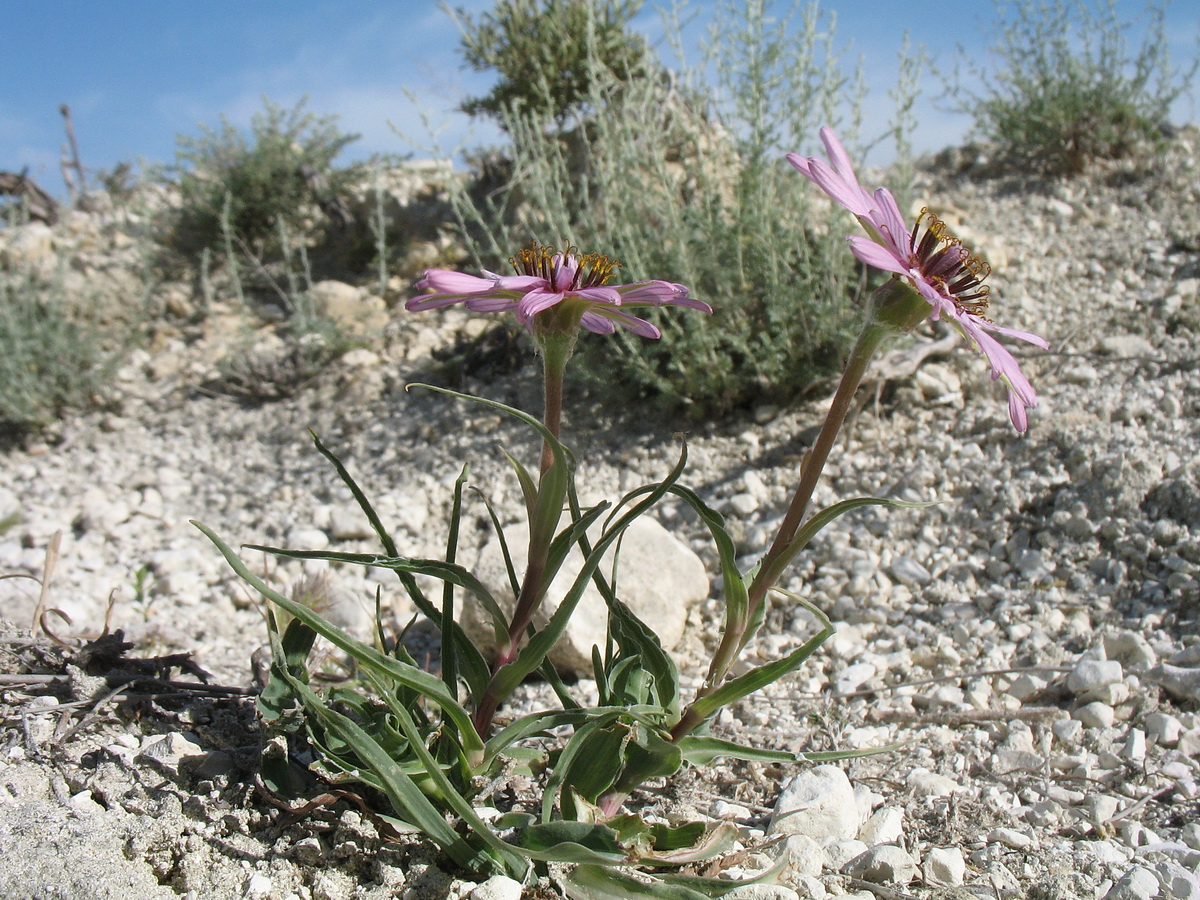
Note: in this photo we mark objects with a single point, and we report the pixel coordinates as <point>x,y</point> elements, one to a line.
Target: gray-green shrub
<point>1066,87</point>
<point>54,356</point>
<point>682,178</point>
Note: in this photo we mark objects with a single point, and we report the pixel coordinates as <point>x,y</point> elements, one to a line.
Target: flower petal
<point>536,301</point>
<point>491,304</point>
<point>633,323</point>
<point>599,294</point>
<point>873,254</point>
<point>850,196</point>
<point>597,324</point>
<point>521,283</point>
<point>1025,336</point>
<point>838,156</point>
<point>444,281</point>
<point>432,301</point>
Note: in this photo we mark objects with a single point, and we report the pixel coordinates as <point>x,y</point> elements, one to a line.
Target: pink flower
<point>547,278</point>
<point>931,259</point>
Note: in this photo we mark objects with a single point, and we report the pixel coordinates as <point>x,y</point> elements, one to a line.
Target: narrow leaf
<point>410,676</point>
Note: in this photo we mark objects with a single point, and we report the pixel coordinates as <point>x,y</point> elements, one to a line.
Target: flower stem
<point>894,307</point>
<point>555,354</point>
<point>555,351</point>
<point>782,550</point>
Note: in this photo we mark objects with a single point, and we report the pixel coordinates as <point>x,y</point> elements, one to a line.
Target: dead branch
<point>39,205</point>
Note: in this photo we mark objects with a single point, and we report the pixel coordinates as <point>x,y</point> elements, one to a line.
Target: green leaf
<point>682,846</point>
<point>648,755</point>
<point>568,851</point>
<point>635,641</point>
<point>702,751</point>
<point>558,778</point>
<point>760,677</point>
<point>475,670</point>
<point>820,519</point>
<point>596,883</point>
<point>528,487</point>
<point>428,685</point>
<point>836,755</point>
<point>389,546</point>
<point>514,583</point>
<point>447,621</point>
<point>737,601</point>
<point>551,492</point>
<point>543,836</point>
<point>277,698</point>
<point>593,767</point>
<point>719,887</point>
<point>561,546</point>
<point>505,681</point>
<point>539,724</point>
<point>409,800</point>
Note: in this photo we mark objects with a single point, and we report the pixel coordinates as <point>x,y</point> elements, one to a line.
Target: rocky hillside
<point>1031,639</point>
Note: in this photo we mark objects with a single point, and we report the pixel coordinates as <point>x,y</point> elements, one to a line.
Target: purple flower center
<point>578,270</point>
<point>946,263</point>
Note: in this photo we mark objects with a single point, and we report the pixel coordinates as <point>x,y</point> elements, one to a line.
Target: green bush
<point>546,52</point>
<point>683,179</point>
<point>53,358</point>
<point>1067,89</point>
<point>242,188</point>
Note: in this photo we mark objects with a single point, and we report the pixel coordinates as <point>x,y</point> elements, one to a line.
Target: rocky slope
<point>1031,640</point>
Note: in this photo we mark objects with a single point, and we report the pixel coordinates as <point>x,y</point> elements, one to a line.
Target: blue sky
<point>138,72</point>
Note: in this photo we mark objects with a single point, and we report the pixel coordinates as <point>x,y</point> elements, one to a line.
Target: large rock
<point>349,306</point>
<point>818,803</point>
<point>659,578</point>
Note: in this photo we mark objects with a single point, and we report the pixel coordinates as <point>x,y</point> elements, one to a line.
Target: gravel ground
<point>1030,641</point>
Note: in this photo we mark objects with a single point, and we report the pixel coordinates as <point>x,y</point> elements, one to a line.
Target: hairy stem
<point>895,306</point>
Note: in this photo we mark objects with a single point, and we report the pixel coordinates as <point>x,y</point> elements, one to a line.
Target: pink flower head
<point>546,278</point>
<point>929,258</point>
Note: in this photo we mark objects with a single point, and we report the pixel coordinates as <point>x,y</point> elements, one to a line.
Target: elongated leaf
<point>410,801</point>
<point>540,723</point>
<point>277,697</point>
<point>810,529</point>
<point>593,767</point>
<point>568,851</point>
<point>457,644</point>
<point>596,883</point>
<point>637,642</point>
<point>514,583</point>
<point>648,755</point>
<point>719,887</point>
<point>410,676</point>
<point>532,654</point>
<point>473,665</point>
<point>447,621</point>
<point>552,491</point>
<point>566,758</point>
<point>528,488</point>
<point>836,755</point>
<point>760,677</point>
<point>702,751</point>
<point>670,848</point>
<point>544,836</point>
<point>389,546</point>
<point>561,546</point>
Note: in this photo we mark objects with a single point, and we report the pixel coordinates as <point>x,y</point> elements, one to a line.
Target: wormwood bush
<point>53,357</point>
<point>277,175</point>
<point>1067,89</point>
<point>683,178</point>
